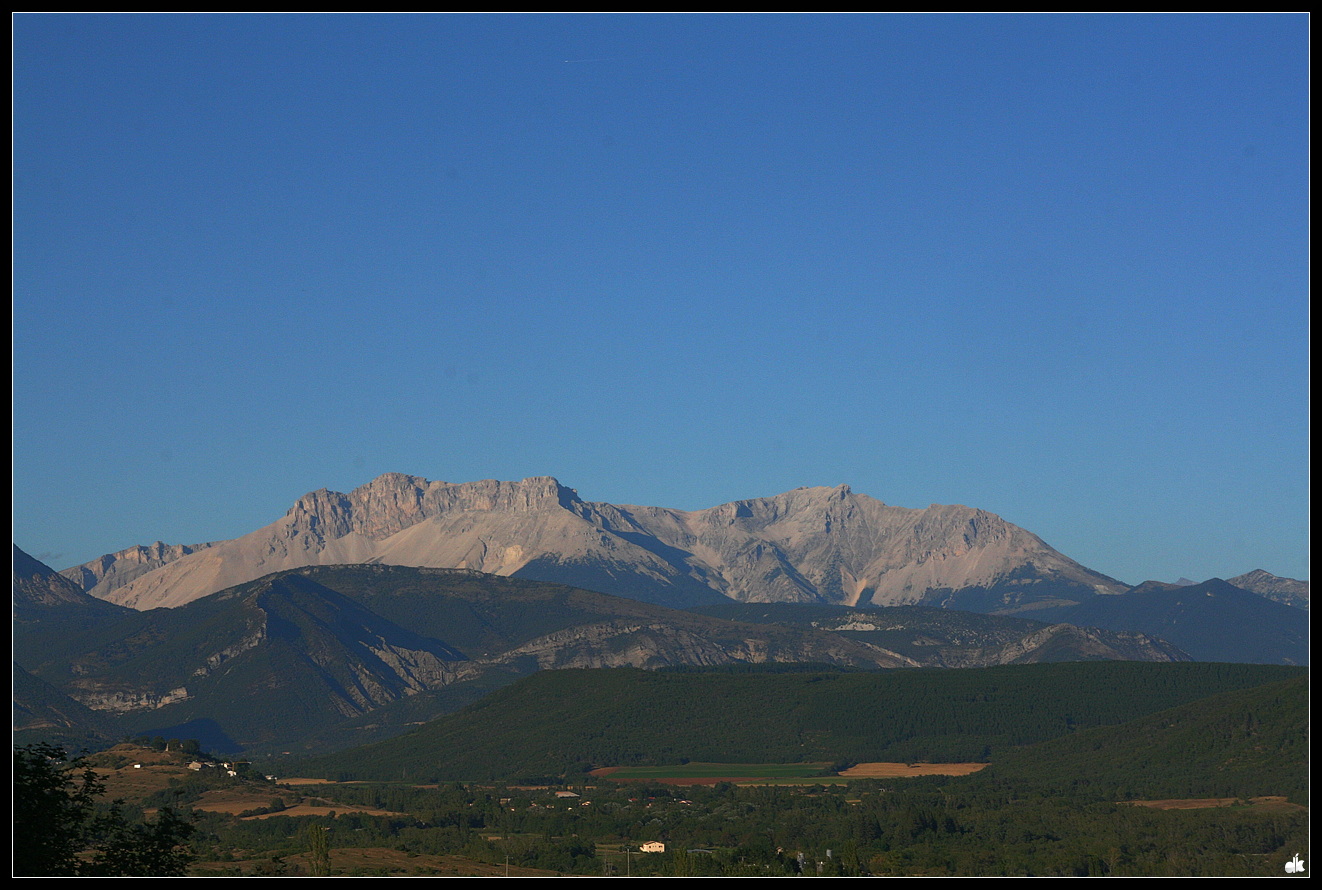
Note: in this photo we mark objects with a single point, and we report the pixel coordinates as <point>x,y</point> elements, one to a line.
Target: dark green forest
<point>564,723</point>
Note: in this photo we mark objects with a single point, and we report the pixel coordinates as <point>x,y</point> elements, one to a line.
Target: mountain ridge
<point>1288,591</point>
<point>1213,620</point>
<point>297,653</point>
<point>811,544</point>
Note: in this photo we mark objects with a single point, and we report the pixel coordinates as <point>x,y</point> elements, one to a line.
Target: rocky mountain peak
<point>393,502</point>
<point>1289,591</point>
<point>1263,578</point>
<point>814,502</point>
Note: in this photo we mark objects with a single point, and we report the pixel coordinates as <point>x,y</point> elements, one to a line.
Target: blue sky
<point>1055,267</point>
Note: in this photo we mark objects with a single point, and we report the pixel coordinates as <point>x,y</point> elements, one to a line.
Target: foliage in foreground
<point>60,828</point>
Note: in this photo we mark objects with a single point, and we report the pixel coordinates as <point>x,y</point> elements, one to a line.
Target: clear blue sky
<point>1055,267</point>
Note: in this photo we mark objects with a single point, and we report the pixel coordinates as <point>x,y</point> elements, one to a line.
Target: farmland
<point>777,773</point>
<point>1215,786</point>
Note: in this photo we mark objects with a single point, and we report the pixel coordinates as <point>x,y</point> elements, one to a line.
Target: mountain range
<point>809,545</point>
<point>358,614</point>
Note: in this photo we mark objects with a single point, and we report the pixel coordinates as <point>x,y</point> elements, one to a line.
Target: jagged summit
<point>394,501</point>
<point>811,544</point>
<point>117,569</point>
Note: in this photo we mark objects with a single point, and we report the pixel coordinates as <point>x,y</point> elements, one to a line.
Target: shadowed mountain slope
<point>325,655</point>
<point>950,638</point>
<point>1212,621</point>
<point>41,713</point>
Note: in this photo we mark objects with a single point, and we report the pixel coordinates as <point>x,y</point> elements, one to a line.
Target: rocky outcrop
<point>416,670</point>
<point>123,699</point>
<point>42,712</point>
<point>652,645</point>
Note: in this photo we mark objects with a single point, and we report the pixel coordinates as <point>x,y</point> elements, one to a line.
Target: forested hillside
<point>558,723</point>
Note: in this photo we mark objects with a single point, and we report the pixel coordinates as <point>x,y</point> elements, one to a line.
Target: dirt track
<point>1200,803</point>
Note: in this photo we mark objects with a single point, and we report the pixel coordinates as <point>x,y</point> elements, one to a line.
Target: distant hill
<point>51,613</point>
<point>813,545</point>
<point>565,722</point>
<point>1212,621</point>
<point>544,625</point>
<point>328,656</point>
<point>263,660</point>
<point>40,592</point>
<point>1240,743</point>
<point>1287,591</point>
<point>286,657</point>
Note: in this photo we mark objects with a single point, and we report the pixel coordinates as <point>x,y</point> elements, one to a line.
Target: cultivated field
<point>777,773</point>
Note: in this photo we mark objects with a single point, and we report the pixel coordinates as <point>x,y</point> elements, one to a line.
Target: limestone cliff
<point>105,573</point>
<point>826,545</point>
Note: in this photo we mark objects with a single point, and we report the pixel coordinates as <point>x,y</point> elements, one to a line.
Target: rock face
<point>832,545</point>
<point>1282,590</point>
<point>657,644</point>
<point>824,545</point>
